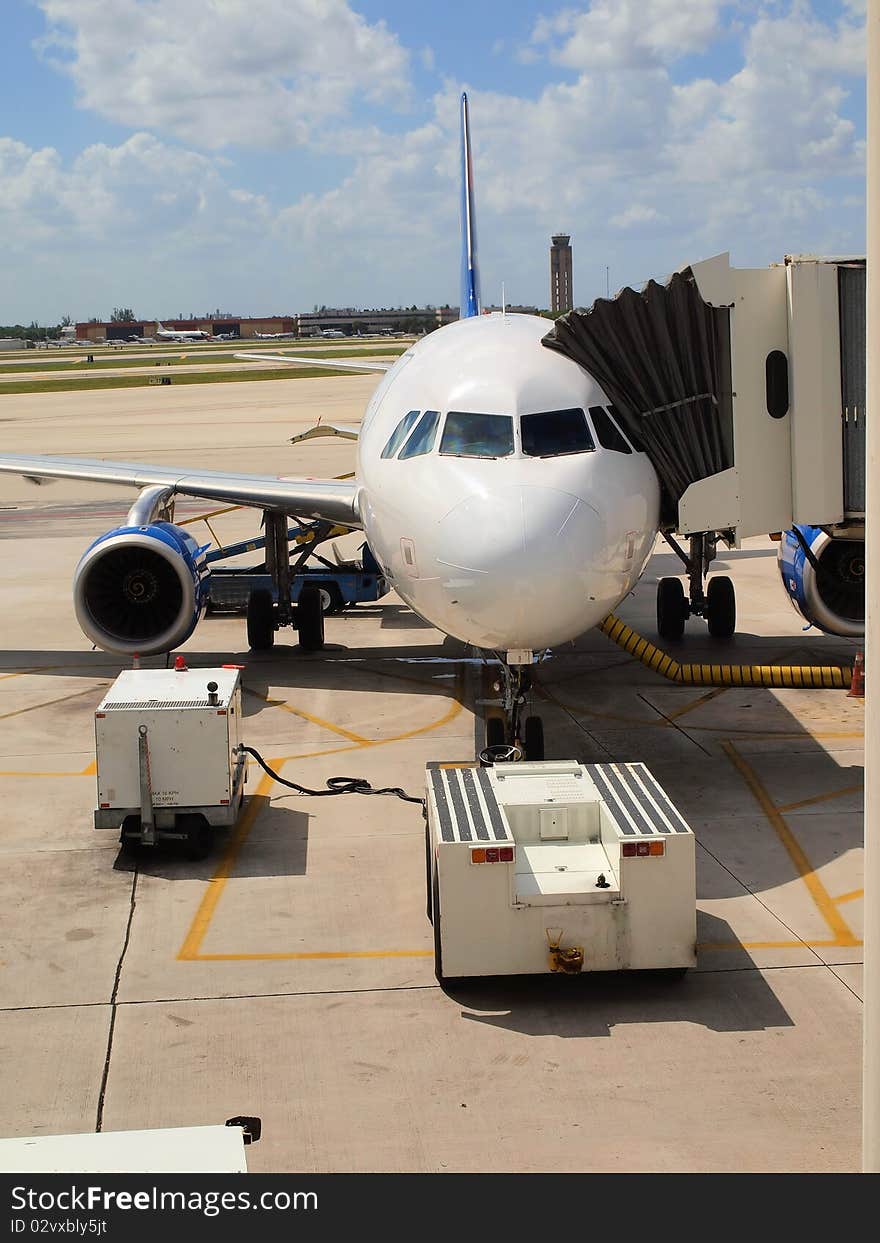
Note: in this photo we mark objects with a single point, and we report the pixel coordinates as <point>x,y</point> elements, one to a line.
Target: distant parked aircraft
<point>181,334</point>
<point>274,336</point>
<point>331,332</point>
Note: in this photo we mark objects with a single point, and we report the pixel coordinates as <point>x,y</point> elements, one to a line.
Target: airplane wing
<point>337,364</point>
<point>330,499</point>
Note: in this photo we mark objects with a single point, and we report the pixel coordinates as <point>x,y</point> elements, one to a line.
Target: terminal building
<point>347,320</point>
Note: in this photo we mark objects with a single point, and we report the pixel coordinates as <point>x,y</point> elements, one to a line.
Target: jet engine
<point>824,576</point>
<point>142,587</point>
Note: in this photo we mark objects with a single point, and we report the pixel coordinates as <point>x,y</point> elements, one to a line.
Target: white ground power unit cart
<point>167,747</point>
<point>557,866</point>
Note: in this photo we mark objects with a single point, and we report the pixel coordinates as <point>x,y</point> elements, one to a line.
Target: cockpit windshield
<point>555,432</point>
<point>477,435</point>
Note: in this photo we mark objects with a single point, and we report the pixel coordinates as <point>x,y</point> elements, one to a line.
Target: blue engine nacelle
<point>141,589</point>
<point>831,597</point>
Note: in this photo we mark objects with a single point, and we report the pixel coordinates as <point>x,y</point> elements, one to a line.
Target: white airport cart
<point>169,763</point>
<point>557,866</point>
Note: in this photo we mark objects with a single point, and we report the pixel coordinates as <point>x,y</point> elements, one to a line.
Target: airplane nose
<point>515,561</point>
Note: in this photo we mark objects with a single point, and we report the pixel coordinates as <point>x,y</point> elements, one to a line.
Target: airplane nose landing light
<point>520,561</point>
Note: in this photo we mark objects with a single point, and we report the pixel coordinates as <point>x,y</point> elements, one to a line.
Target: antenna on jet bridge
<point>503,303</point>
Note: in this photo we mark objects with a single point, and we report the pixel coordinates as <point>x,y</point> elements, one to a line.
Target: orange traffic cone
<point>857,688</point>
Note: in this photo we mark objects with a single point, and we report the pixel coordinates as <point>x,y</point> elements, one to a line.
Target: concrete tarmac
<point>290,974</point>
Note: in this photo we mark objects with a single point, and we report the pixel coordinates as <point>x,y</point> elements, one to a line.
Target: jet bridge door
<point>853,359</point>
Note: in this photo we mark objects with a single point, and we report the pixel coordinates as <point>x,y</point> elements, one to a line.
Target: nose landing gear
<point>508,728</point>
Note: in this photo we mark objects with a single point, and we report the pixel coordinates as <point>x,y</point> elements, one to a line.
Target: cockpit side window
<point>400,433</point>
<point>477,435</point>
<point>555,432</point>
<point>607,431</point>
<point>422,439</point>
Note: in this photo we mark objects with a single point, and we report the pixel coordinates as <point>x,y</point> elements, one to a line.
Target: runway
<point>290,975</point>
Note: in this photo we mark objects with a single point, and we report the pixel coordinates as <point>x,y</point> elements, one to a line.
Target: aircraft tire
<point>495,731</point>
<point>310,619</point>
<point>260,621</point>
<point>721,607</point>
<point>672,608</point>
<point>534,738</point>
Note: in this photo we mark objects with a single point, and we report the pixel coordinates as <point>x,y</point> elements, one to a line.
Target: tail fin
<point>470,275</point>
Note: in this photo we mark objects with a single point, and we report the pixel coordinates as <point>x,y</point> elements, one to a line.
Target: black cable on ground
<point>335,785</point>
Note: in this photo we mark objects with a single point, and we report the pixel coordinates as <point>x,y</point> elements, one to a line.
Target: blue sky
<point>265,156</point>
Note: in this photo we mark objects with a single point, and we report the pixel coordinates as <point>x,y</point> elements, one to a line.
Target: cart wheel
<point>721,607</point>
<point>672,609</point>
<point>310,620</point>
<point>534,738</point>
<point>199,835</point>
<point>260,621</point>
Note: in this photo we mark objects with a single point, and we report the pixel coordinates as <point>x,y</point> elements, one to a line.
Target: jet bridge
<point>746,388</point>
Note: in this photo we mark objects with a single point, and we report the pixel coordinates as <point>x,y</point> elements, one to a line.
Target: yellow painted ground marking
<point>203,916</point>
<point>4,716</point>
<point>822,798</point>
<point>89,771</point>
<point>307,716</point>
<point>852,896</point>
<point>282,957</point>
<point>190,950</point>
<point>664,722</point>
<point>696,703</point>
<point>823,900</point>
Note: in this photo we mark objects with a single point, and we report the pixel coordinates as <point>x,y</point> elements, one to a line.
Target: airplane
<point>497,491</point>
<point>181,334</point>
<point>331,332</point>
<point>274,336</point>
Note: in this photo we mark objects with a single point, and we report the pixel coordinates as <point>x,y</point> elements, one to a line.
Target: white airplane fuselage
<point>512,551</point>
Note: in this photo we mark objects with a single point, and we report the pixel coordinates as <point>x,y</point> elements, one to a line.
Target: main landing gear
<point>513,733</point>
<point>264,616</point>
<point>717,604</point>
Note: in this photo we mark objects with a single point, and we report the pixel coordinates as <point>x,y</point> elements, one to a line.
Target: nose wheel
<point>510,730</point>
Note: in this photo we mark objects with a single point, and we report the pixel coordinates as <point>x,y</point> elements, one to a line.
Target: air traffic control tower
<point>560,273</point>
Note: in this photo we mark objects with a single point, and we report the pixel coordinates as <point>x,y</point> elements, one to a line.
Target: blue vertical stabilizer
<point>470,276</point>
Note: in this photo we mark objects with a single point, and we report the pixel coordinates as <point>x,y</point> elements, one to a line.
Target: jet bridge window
<point>555,432</point>
<point>608,433</point>
<point>422,439</point>
<point>400,433</point>
<point>477,435</point>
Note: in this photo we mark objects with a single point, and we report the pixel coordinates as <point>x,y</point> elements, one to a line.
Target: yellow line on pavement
<point>852,896</point>
<point>823,900</point>
<point>4,716</point>
<point>190,951</point>
<point>823,798</point>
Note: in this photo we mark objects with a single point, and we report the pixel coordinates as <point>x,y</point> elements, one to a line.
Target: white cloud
<point>628,33</point>
<point>645,172</point>
<point>635,215</point>
<point>229,73</point>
